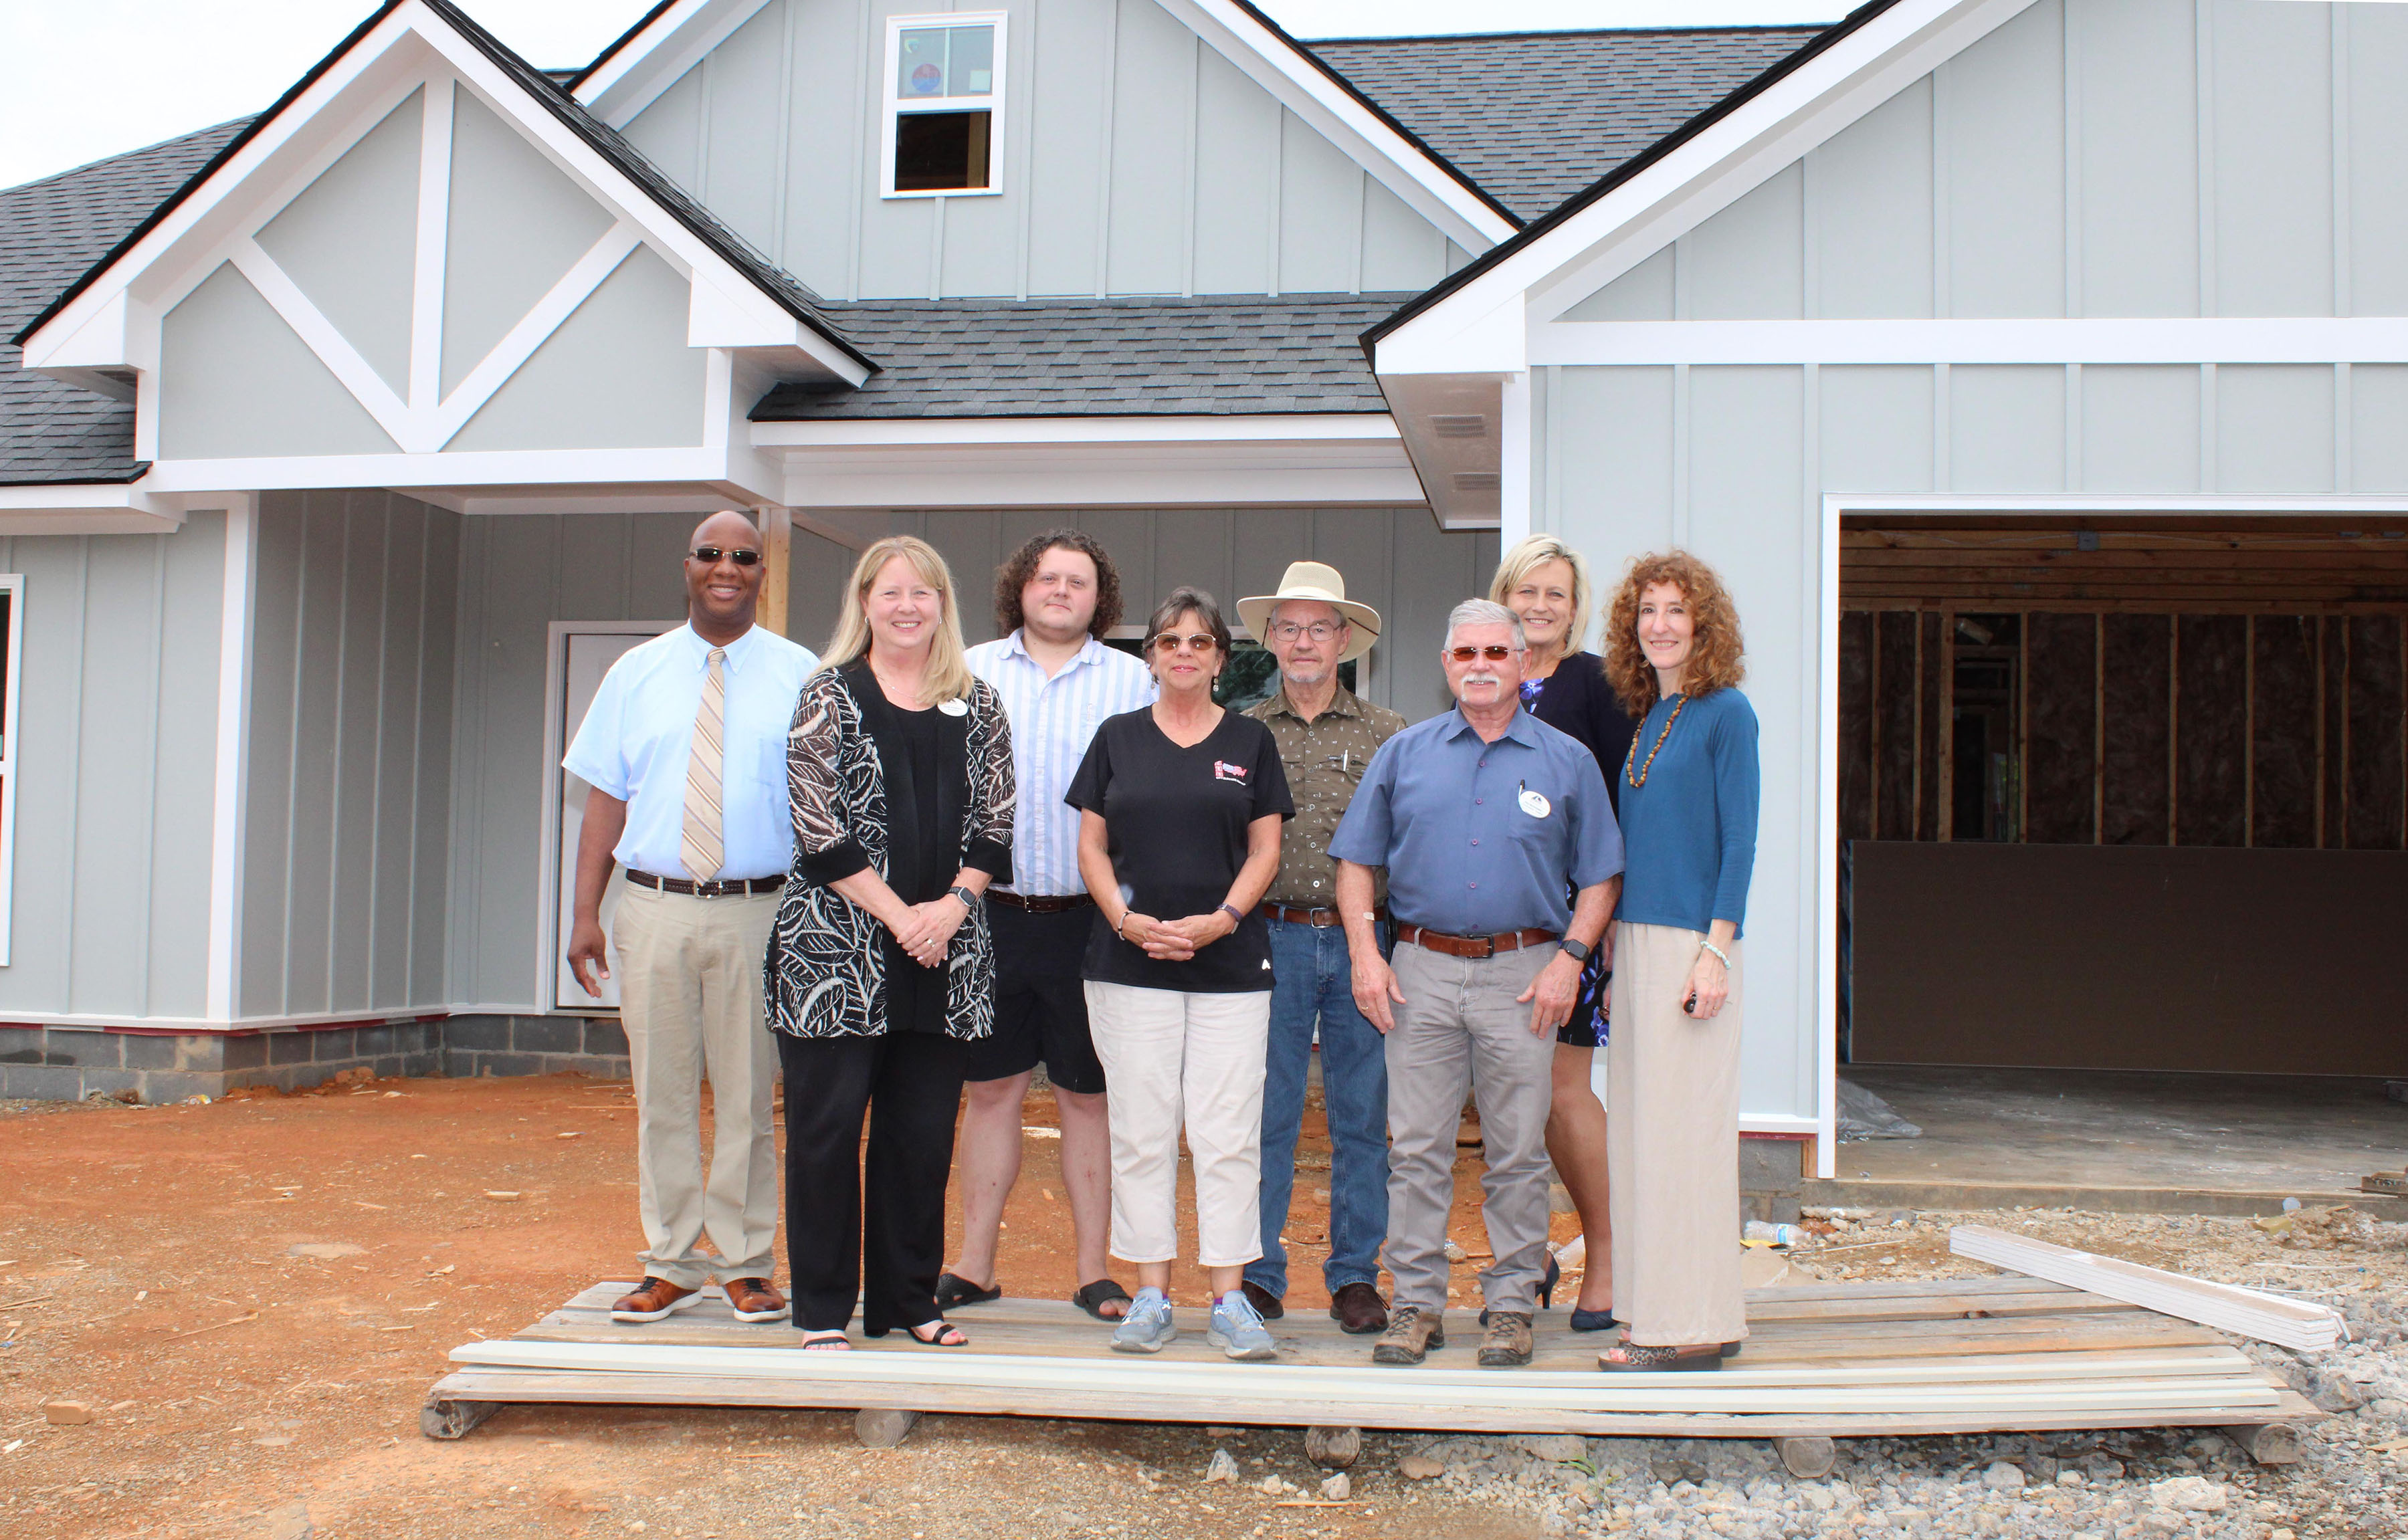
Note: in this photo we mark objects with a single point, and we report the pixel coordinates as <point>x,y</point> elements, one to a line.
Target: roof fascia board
<point>89,508</point>
<point>479,468</point>
<point>633,73</point>
<point>1799,103</point>
<point>1057,482</point>
<point>1285,428</point>
<point>2180,340</point>
<point>1309,87</point>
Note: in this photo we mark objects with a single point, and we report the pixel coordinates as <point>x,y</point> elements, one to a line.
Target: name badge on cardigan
<point>954,707</point>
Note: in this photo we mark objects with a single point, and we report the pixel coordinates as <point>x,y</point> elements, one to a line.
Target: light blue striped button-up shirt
<point>1052,720</point>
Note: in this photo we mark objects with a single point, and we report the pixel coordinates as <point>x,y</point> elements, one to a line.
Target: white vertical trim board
<point>433,245</point>
<point>13,585</point>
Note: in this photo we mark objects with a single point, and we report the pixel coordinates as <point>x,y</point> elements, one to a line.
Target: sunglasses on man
<point>1495,654</point>
<point>709,556</point>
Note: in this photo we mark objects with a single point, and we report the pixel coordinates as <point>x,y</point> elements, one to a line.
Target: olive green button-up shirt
<point>1325,760</point>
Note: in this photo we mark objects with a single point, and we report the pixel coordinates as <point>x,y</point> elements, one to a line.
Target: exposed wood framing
<point>2173,731</point>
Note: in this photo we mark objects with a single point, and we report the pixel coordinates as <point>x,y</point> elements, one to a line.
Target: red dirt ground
<point>253,1297</point>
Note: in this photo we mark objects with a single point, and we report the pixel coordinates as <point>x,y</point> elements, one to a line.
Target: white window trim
<point>13,585</point>
<point>895,106</point>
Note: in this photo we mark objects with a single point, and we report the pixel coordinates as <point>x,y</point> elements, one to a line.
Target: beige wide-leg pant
<point>1672,1145</point>
<point>690,997</point>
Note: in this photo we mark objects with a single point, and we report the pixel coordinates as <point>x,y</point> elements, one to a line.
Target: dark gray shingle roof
<point>1535,116</point>
<point>51,230</point>
<point>1151,356</point>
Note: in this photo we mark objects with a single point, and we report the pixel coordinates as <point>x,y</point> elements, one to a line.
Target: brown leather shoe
<point>1266,1304</point>
<point>1507,1345</point>
<point>1358,1309</point>
<point>654,1298</point>
<point>753,1299</point>
<point>1412,1334</point>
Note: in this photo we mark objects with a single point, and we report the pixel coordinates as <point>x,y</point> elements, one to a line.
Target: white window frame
<point>896,107</point>
<point>13,585</point>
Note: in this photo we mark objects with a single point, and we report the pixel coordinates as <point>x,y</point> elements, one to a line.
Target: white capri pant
<point>1170,1058</point>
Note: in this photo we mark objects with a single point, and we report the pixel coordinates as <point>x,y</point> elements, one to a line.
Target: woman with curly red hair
<point>1689,793</point>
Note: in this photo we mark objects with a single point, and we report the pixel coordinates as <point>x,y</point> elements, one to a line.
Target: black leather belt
<point>1319,919</point>
<point>735,888</point>
<point>1038,903</point>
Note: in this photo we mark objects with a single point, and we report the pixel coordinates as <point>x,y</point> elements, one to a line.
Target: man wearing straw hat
<point>1327,736</point>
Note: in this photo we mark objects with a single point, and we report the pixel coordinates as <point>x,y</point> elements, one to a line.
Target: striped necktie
<point>703,849</point>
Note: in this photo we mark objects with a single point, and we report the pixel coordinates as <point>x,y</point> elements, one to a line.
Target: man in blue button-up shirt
<point>1489,823</point>
<point>684,752</point>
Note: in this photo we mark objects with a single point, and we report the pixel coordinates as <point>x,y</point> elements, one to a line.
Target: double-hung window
<point>944,103</point>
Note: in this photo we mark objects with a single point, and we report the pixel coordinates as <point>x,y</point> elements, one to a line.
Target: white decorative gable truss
<point>106,333</point>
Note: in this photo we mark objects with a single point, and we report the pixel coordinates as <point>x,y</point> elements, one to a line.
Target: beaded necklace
<point>1639,778</point>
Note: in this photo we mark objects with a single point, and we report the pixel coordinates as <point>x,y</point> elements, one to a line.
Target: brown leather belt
<point>1474,946</point>
<point>1318,919</point>
<point>734,888</point>
<point>1063,903</point>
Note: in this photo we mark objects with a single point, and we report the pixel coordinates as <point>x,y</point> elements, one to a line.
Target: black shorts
<point>1040,1005</point>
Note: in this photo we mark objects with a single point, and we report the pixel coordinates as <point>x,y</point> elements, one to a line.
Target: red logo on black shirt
<point>1223,770</point>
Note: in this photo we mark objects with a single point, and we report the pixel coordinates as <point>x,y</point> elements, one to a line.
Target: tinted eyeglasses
<point>1494,654</point>
<point>709,556</point>
<point>1203,641</point>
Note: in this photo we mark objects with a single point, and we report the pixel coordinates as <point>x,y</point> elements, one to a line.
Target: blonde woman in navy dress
<point>1690,787</point>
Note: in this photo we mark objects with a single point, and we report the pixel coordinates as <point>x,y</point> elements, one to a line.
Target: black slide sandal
<point>1093,1297</point>
<point>954,1292</point>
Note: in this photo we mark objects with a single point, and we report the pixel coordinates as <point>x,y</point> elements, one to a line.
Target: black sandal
<point>1093,1297</point>
<point>954,1292</point>
<point>941,1334</point>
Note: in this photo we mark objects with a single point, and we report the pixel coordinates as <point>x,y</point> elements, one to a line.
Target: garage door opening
<point>2124,793</point>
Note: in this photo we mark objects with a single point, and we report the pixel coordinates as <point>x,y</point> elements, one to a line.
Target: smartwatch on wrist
<point>1580,950</point>
<point>970,900</point>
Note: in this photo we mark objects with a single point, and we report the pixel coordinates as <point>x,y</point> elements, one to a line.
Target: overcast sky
<point>89,79</point>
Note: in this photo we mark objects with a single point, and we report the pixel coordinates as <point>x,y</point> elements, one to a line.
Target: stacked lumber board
<point>2296,1324</point>
<point>1823,1361</point>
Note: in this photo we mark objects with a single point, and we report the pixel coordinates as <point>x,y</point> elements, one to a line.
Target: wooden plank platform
<point>1824,1360</point>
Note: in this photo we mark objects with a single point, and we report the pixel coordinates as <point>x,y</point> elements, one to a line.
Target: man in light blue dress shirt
<point>685,751</point>
<point>1055,599</point>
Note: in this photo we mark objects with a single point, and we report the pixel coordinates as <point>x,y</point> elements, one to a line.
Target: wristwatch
<point>1580,950</point>
<point>970,900</point>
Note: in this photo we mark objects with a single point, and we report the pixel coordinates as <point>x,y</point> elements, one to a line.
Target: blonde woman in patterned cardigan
<point>880,965</point>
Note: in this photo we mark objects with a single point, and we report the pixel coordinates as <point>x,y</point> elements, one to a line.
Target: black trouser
<point>910,1083</point>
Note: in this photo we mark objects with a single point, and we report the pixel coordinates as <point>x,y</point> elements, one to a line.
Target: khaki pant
<point>1460,1028</point>
<point>1174,1059</point>
<point>1672,1145</point>
<point>690,997</point>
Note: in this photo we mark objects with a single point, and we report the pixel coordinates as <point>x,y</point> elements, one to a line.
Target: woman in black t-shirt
<point>1179,835</point>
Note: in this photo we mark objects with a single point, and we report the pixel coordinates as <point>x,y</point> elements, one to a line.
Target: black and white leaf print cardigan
<point>825,972</point>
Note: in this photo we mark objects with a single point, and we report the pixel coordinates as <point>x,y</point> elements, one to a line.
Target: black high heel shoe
<point>1546,1287</point>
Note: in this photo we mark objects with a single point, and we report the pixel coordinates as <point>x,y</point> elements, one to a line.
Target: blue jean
<point>1314,981</point>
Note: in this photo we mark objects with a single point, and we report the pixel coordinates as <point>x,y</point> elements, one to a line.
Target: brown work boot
<point>654,1298</point>
<point>1358,1310</point>
<point>1507,1345</point>
<point>1413,1333</point>
<point>1266,1304</point>
<point>753,1299</point>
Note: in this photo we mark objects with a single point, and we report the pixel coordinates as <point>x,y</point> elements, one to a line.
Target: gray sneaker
<point>1239,1331</point>
<point>1147,1327</point>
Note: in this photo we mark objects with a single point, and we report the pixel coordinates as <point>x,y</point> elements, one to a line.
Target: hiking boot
<point>1412,1334</point>
<point>1148,1327</point>
<point>1358,1309</point>
<point>1507,1345</point>
<point>1239,1332</point>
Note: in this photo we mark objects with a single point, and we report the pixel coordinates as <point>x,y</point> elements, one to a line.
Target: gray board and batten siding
<point>2069,165</point>
<point>1136,160</point>
<point>115,755</point>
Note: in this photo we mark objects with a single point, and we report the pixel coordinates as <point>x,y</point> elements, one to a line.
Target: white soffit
<point>88,509</point>
<point>112,322</point>
<point>1561,262</point>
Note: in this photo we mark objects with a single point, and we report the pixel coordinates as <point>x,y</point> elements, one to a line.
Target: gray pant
<point>1460,1026</point>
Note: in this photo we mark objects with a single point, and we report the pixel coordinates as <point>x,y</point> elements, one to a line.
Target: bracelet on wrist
<point>1237,916</point>
<point>1723,956</point>
<point>1121,930</point>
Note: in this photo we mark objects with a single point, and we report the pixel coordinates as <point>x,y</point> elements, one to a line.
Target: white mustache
<point>1483,678</point>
